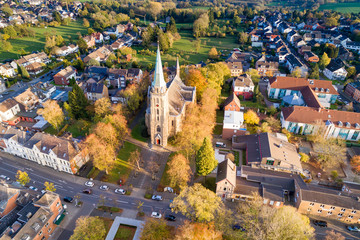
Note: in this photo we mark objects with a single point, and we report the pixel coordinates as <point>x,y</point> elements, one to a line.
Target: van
<point>220,144</point>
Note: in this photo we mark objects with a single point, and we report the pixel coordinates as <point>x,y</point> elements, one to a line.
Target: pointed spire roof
<point>158,81</point>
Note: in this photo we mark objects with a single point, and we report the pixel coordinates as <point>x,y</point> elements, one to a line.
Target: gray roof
<point>158,81</point>
<point>226,170</point>
<point>94,87</point>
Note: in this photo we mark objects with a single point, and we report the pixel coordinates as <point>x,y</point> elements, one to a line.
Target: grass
<point>125,232</point>
<point>122,167</point>
<point>93,173</point>
<point>79,127</point>
<point>37,43</point>
<point>219,116</point>
<point>346,7</point>
<point>110,209</point>
<point>138,130</point>
<point>165,180</point>
<point>210,183</point>
<point>186,51</point>
<point>218,129</point>
<point>237,157</point>
<point>107,222</point>
<point>244,157</point>
<point>51,130</point>
<point>251,104</point>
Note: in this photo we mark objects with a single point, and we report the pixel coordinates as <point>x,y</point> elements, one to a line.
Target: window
<point>270,162</point>
<point>309,209</point>
<point>57,204</point>
<point>158,129</point>
<point>40,233</point>
<point>353,211</point>
<point>319,211</point>
<point>343,209</point>
<point>350,216</point>
<point>49,230</point>
<point>312,204</point>
<point>224,188</point>
<point>322,205</point>
<point>340,215</point>
<point>332,208</point>
<point>47,224</point>
<point>329,213</point>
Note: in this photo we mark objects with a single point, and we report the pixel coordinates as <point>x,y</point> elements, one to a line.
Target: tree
<point>78,103</point>
<point>331,235</point>
<point>82,45</point>
<point>201,25</point>
<point>24,72</point>
<point>197,203</point>
<point>49,187</point>
<point>102,108</point>
<point>179,171</point>
<point>351,71</point>
<point>296,72</point>
<point>355,163</point>
<point>243,37</point>
<point>7,11</point>
<point>304,157</point>
<point>236,21</point>
<point>264,222</point>
<point>251,118</point>
<point>89,228</point>
<point>254,74</point>
<point>9,30</point>
<point>135,158</point>
<point>213,53</point>
<point>324,61</point>
<point>154,9</point>
<point>86,23</point>
<point>198,231</point>
<point>315,72</point>
<point>205,158</point>
<point>331,22</point>
<point>52,113</point>
<point>93,62</point>
<point>155,229</point>
<point>197,45</point>
<point>60,41</point>
<point>195,79</point>
<point>6,46</point>
<point>22,177</point>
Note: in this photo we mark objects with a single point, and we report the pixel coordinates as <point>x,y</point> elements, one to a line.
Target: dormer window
<point>316,89</point>
<point>340,124</point>
<point>357,126</point>
<point>327,90</point>
<point>322,90</point>
<point>347,124</point>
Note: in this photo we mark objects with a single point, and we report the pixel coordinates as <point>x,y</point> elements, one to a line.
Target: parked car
<point>43,191</point>
<point>104,187</point>
<point>68,199</point>
<point>320,223</point>
<point>89,184</point>
<point>353,228</point>
<point>157,197</point>
<point>87,191</point>
<point>220,144</point>
<point>120,191</point>
<point>33,188</point>
<point>170,218</point>
<point>238,227</point>
<point>5,177</point>
<point>156,215</point>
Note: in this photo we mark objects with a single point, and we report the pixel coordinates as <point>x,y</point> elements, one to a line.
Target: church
<point>166,104</point>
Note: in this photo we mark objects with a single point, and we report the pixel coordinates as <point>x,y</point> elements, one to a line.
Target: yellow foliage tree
<point>22,177</point>
<point>251,118</point>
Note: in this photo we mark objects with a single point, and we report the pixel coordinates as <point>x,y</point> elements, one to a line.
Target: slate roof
<point>7,104</point>
<point>226,170</point>
<point>334,65</point>
<point>232,98</point>
<point>94,87</point>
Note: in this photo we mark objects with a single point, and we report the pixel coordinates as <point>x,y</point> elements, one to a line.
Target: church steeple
<point>158,81</point>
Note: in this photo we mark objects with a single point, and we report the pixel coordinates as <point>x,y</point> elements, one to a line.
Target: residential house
<point>236,68</point>
<point>134,75</point>
<point>226,179</point>
<point>8,110</point>
<point>335,70</point>
<point>100,55</point>
<point>90,41</point>
<point>233,124</point>
<point>119,43</point>
<point>244,86</point>
<point>266,68</point>
<point>27,99</point>
<point>63,77</point>
<point>311,57</point>
<point>31,58</point>
<point>95,91</point>
<point>353,90</point>
<point>6,70</point>
<point>8,197</point>
<point>293,63</point>
<point>352,46</point>
<point>66,50</point>
<point>344,54</point>
<point>2,85</point>
<point>34,68</point>
<point>99,38</point>
<point>269,151</point>
<point>116,78</point>
<point>43,90</point>
<point>321,91</point>
<point>305,120</point>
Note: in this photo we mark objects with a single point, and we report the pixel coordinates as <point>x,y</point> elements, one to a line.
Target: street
<point>68,185</point>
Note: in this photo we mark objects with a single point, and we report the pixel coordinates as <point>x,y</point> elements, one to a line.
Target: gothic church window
<point>158,129</point>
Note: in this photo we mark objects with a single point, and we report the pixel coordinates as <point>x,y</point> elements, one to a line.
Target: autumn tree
<point>304,157</point>
<point>197,203</point>
<point>201,25</point>
<point>216,74</point>
<point>251,118</point>
<point>273,123</point>
<point>315,72</point>
<point>213,53</point>
<point>154,9</point>
<point>155,229</point>
<point>198,231</point>
<point>329,152</point>
<point>205,158</point>
<point>135,158</point>
<point>296,72</point>
<point>264,222</point>
<point>254,74</point>
<point>243,37</point>
<point>86,23</point>
<point>324,61</point>
<point>22,177</point>
<point>52,113</point>
<point>195,79</point>
<point>355,163</point>
<point>49,186</point>
<point>89,228</point>
<point>102,108</point>
<point>179,171</point>
<point>332,235</point>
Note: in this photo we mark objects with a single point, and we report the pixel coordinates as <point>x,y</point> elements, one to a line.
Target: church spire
<point>158,81</point>
<point>177,67</point>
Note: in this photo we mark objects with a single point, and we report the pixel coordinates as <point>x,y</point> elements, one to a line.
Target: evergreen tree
<point>171,27</point>
<point>24,73</point>
<point>315,72</point>
<point>205,158</point>
<point>77,103</point>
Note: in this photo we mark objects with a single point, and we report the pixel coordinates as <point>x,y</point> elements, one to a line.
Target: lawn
<point>125,232</point>
<point>218,129</point>
<point>37,43</point>
<point>108,222</point>
<point>138,131</point>
<point>165,181</point>
<point>348,7</point>
<point>220,116</point>
<point>79,128</point>
<point>122,167</point>
<point>184,48</point>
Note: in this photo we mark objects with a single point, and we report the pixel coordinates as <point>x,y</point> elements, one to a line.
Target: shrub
<point>147,196</point>
<point>304,157</point>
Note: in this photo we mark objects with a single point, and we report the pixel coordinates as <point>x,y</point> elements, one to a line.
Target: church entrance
<point>158,141</point>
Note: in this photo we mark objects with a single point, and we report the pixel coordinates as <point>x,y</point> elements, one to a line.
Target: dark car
<point>170,217</point>
<point>87,191</point>
<point>238,227</point>
<point>68,199</point>
<point>320,223</point>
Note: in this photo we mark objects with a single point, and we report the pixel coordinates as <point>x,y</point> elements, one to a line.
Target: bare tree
<point>135,158</point>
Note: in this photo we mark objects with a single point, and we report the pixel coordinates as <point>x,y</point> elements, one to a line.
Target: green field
<point>353,7</point>
<point>37,43</point>
<point>184,48</point>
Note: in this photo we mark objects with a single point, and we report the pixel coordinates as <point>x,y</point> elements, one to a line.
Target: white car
<point>104,187</point>
<point>33,188</point>
<point>89,184</point>
<point>120,191</point>
<point>5,177</point>
<point>156,197</point>
<point>156,215</point>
